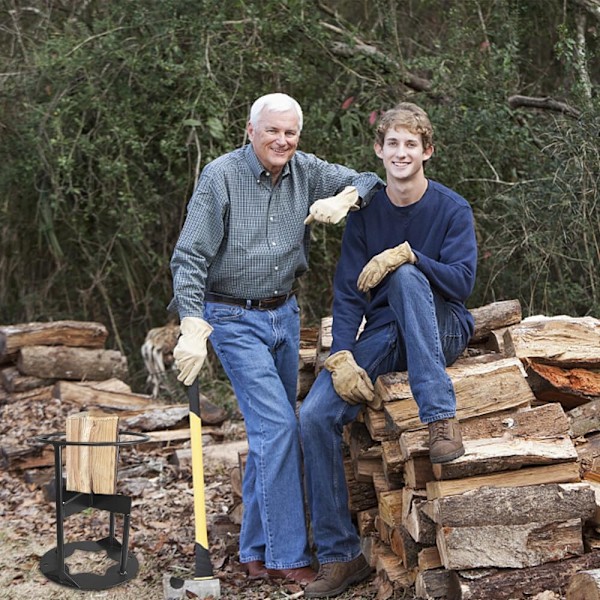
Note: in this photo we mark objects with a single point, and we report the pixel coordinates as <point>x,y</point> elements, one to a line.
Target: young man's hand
<point>334,209</point>
<point>351,381</point>
<point>190,351</point>
<point>384,263</point>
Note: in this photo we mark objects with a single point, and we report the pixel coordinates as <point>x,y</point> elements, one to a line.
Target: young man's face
<point>403,154</point>
<point>275,138</point>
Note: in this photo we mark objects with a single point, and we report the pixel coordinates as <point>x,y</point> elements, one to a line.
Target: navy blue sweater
<point>440,231</point>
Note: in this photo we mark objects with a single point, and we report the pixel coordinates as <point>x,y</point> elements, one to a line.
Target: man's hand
<point>334,209</point>
<point>191,350</point>
<point>382,264</point>
<point>351,381</point>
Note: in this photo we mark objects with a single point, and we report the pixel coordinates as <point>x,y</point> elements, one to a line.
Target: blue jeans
<point>425,337</point>
<point>259,352</point>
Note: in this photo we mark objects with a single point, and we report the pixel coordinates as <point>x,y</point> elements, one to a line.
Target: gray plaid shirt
<point>244,237</point>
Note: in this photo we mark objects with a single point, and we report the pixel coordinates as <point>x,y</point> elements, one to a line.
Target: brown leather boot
<point>445,441</point>
<point>334,578</point>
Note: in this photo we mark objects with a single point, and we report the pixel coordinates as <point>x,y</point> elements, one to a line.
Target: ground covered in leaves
<point>162,521</point>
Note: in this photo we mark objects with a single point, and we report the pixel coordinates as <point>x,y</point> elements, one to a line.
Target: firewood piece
<point>383,530</point>
<point>429,558</point>
<point>92,468</point>
<point>86,396</point>
<point>588,451</point>
<point>559,473</point>
<point>491,455</point>
<point>156,418</point>
<point>13,381</point>
<point>62,333</point>
<point>361,495</point>
<point>377,424</point>
<point>561,341</point>
<point>64,362</point>
<point>414,517</point>
<point>391,456</point>
<point>36,394</point>
<point>570,387</point>
<point>480,389</point>
<point>493,316</point>
<point>432,584</point>
<point>389,566</point>
<point>509,546</point>
<point>390,507</point>
<point>360,442</point>
<point>365,520</point>
<point>418,472</point>
<point>515,506</point>
<point>403,545</point>
<point>542,422</point>
<point>172,435</point>
<point>585,419</point>
<point>584,585</point>
<point>21,458</point>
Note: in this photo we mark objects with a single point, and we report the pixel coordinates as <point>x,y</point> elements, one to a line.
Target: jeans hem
<point>339,559</point>
<point>448,415</point>
<point>280,566</point>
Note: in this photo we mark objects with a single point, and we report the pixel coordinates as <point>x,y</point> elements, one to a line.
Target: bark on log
<point>509,546</point>
<point>521,584</point>
<point>432,584</point>
<point>86,396</point>
<point>514,506</point>
<point>63,362</point>
<point>585,419</point>
<point>494,316</point>
<point>63,333</point>
<point>561,341</point>
<point>584,585</point>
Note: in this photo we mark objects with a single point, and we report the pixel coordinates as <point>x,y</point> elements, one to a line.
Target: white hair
<point>277,103</point>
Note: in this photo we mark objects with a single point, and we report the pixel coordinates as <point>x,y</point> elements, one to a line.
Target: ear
<point>378,150</point>
<point>250,130</point>
<point>427,154</point>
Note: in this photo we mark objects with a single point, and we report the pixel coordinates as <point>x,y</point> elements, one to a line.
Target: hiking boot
<point>333,578</point>
<point>445,441</point>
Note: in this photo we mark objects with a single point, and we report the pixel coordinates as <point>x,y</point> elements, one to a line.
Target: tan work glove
<point>334,209</point>
<point>382,264</point>
<point>351,381</point>
<point>191,350</point>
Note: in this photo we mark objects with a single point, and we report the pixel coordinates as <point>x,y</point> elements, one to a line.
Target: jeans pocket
<point>216,312</point>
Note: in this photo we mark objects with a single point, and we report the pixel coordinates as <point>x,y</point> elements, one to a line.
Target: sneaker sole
<point>356,578</point>
<point>447,457</point>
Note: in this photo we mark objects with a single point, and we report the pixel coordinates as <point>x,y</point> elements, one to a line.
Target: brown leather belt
<point>260,304</point>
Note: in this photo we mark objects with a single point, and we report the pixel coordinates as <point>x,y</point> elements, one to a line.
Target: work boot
<point>445,441</point>
<point>334,578</point>
<point>301,575</point>
<point>256,569</point>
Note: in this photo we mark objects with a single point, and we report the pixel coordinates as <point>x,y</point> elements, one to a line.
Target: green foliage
<point>111,109</point>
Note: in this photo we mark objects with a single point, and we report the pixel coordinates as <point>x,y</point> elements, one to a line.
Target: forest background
<point>110,109</point>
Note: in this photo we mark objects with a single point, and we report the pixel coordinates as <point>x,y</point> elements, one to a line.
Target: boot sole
<point>447,457</point>
<point>356,578</point>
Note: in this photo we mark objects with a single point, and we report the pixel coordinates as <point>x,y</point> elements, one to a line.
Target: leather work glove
<point>382,264</point>
<point>351,381</point>
<point>334,209</point>
<point>191,350</point>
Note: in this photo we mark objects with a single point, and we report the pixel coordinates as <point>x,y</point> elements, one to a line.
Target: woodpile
<point>65,367</point>
<point>514,517</point>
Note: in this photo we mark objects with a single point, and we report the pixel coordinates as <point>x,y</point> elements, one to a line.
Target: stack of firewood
<point>62,368</point>
<point>516,515</point>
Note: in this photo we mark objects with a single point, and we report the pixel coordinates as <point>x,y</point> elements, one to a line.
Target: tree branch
<point>546,103</point>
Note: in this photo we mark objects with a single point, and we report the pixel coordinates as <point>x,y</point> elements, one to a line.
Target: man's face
<point>402,154</point>
<point>275,138</point>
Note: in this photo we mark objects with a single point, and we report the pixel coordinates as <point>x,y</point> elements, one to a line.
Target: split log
<point>570,387</point>
<point>542,422</point>
<point>418,472</point>
<point>64,362</point>
<point>515,506</point>
<point>389,566</point>
<point>377,424</point>
<point>584,585</point>
<point>361,495</point>
<point>34,395</point>
<point>21,458</point>
<point>509,546</point>
<point>57,333</point>
<point>365,521</point>
<point>560,473</point>
<point>521,584</point>
<point>494,316</point>
<point>429,558</point>
<point>561,341</point>
<point>85,396</point>
<point>415,519</point>
<point>403,545</point>
<point>480,389</point>
<point>157,418</point>
<point>491,455</point>
<point>91,468</point>
<point>390,507</point>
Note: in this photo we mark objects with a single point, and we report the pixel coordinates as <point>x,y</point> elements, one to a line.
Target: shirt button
<point>273,243</point>
<point>276,292</point>
<point>277,268</point>
<point>270,218</point>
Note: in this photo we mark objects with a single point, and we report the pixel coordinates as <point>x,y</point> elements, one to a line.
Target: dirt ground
<point>162,525</point>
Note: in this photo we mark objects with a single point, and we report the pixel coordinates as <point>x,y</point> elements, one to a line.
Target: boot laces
<point>324,571</point>
<point>441,430</point>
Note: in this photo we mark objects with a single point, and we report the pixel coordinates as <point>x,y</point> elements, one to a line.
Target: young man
<point>243,244</point>
<point>408,265</point>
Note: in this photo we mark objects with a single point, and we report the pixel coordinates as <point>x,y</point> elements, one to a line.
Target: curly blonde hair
<point>409,116</point>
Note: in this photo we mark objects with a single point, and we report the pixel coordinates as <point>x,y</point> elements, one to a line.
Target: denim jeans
<point>425,337</point>
<point>259,352</point>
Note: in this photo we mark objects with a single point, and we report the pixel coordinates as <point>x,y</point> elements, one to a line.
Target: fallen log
<point>64,362</point>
